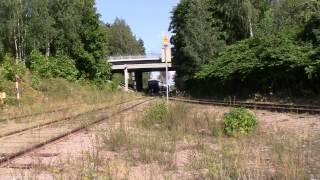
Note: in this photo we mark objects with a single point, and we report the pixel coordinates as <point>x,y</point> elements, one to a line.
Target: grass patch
<point>154,148</point>
<point>117,139</point>
<point>259,156</point>
<point>156,115</point>
<point>149,147</point>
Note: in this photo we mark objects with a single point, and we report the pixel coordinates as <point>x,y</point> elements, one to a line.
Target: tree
<point>41,31</point>
<point>295,12</point>
<point>196,38</point>
<point>311,33</point>
<point>274,63</point>
<point>79,35</point>
<point>14,30</point>
<point>122,41</point>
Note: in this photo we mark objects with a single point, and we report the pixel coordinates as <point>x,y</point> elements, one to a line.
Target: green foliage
<point>103,72</point>
<point>196,39</point>
<point>41,65</point>
<point>117,79</point>
<point>295,12</point>
<point>311,30</point>
<point>56,27</point>
<point>11,69</point>
<point>265,51</point>
<point>64,67</point>
<point>249,56</point>
<point>267,64</point>
<point>313,70</point>
<point>75,42</point>
<point>155,115</point>
<point>239,121</point>
<point>35,81</point>
<point>60,66</point>
<point>122,41</point>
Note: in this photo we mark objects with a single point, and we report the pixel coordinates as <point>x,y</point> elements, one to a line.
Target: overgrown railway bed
<point>301,109</point>
<point>57,110</point>
<point>18,143</point>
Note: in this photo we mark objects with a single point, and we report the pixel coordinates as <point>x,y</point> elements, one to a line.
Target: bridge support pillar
<point>133,76</point>
<point>126,79</point>
<point>138,81</point>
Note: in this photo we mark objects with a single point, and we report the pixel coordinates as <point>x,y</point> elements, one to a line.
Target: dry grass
<point>190,144</point>
<point>260,156</point>
<point>59,93</point>
<point>149,147</point>
<point>264,154</point>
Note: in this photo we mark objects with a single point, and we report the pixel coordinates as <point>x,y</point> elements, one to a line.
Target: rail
<point>300,109</point>
<point>4,158</point>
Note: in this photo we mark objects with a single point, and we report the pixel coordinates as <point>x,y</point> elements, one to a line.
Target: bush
<point>41,65</point>
<point>11,69</point>
<point>155,115</point>
<point>103,71</point>
<point>64,67</point>
<point>35,81</point>
<point>239,121</point>
<point>59,66</point>
<point>117,79</point>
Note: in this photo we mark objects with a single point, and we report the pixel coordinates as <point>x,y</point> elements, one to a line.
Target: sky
<point>148,19</point>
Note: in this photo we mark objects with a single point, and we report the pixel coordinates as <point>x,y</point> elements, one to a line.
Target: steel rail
<point>12,156</point>
<point>39,113</point>
<point>262,106</point>
<point>64,119</point>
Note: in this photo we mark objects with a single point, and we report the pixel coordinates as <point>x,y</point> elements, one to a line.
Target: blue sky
<point>148,19</point>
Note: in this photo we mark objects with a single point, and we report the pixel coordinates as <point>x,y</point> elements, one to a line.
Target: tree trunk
<point>250,28</point>
<point>48,50</point>
<point>17,61</point>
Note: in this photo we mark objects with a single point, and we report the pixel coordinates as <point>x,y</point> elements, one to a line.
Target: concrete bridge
<point>136,65</point>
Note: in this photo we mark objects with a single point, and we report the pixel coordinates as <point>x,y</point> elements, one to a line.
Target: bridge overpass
<point>136,65</point>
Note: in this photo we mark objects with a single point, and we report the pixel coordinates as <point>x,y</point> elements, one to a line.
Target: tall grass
<point>259,156</point>
<point>59,93</point>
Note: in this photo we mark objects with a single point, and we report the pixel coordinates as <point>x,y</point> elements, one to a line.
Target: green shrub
<point>117,79</point>
<point>41,65</point>
<point>239,121</point>
<point>35,81</point>
<point>155,115</point>
<point>11,69</point>
<point>103,71</point>
<point>55,67</point>
<point>64,67</point>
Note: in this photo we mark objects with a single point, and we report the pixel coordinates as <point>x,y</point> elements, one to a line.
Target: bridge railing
<point>147,56</point>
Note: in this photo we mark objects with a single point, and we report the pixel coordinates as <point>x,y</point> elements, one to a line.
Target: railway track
<point>300,109</point>
<point>39,113</point>
<point>40,124</point>
<point>18,143</point>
